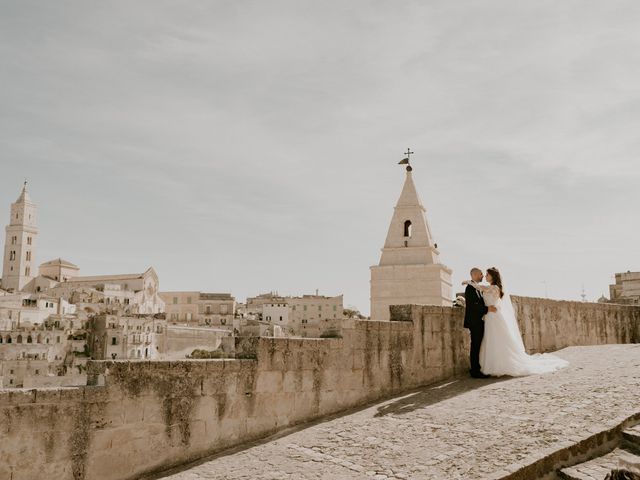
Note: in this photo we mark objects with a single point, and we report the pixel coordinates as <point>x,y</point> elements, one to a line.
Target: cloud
<point>250,146</point>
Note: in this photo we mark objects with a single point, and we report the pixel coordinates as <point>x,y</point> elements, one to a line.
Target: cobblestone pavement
<point>465,428</point>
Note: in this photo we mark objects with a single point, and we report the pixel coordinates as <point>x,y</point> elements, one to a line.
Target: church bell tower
<point>409,271</point>
<point>20,244</point>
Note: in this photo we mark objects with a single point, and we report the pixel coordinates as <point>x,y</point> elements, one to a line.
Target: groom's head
<point>476,274</point>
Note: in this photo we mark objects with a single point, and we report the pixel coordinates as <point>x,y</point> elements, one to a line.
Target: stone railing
<point>141,417</point>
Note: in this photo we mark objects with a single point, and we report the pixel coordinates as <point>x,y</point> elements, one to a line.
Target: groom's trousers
<point>477,333</point>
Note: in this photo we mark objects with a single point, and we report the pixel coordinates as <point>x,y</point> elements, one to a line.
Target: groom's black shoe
<point>479,375</point>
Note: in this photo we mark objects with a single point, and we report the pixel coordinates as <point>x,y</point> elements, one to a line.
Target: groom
<point>473,320</point>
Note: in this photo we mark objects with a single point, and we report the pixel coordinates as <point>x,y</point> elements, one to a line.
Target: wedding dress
<point>502,351</point>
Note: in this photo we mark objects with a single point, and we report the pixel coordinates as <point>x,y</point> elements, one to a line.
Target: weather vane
<point>407,159</point>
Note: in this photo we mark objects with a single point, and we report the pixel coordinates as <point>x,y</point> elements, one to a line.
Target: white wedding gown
<point>502,351</point>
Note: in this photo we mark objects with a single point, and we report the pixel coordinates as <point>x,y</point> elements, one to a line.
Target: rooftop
<point>59,262</point>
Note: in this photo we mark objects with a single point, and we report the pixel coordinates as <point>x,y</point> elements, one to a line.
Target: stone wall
<point>549,325</point>
<point>140,417</point>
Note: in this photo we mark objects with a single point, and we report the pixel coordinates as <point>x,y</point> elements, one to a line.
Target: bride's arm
<point>477,286</point>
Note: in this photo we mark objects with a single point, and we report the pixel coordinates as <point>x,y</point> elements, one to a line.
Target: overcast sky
<point>249,146</point>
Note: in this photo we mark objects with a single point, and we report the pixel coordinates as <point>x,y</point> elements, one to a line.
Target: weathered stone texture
<point>143,416</point>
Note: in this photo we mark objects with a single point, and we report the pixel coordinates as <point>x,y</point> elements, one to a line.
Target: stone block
<point>292,381</point>
<point>269,381</point>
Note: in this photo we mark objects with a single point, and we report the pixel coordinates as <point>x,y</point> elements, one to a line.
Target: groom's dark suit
<point>475,310</point>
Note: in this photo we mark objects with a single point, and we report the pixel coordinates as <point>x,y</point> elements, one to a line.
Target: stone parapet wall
<point>140,417</point>
<point>549,325</point>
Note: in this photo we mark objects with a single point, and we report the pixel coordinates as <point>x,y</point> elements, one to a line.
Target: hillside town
<point>53,319</point>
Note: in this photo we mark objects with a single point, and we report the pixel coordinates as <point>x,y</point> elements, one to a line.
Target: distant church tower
<point>20,244</point>
<point>409,271</point>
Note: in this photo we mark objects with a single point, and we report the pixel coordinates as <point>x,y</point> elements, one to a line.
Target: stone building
<point>199,308</point>
<point>626,289</point>
<point>137,293</point>
<point>20,244</point>
<point>29,309</point>
<point>51,353</point>
<point>305,316</point>
<point>409,271</point>
<point>115,336</point>
<point>59,270</point>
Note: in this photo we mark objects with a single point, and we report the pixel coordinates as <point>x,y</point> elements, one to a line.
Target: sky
<point>252,146</point>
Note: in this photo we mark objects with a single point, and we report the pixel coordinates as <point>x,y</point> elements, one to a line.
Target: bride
<point>502,351</point>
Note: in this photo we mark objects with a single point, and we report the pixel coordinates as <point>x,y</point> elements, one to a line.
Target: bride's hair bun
<point>496,279</point>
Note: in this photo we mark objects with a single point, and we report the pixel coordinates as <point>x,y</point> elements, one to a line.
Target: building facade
<point>199,308</point>
<point>305,316</point>
<point>626,289</point>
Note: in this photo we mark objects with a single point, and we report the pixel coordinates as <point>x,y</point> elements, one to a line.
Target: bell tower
<point>20,244</point>
<point>409,271</point>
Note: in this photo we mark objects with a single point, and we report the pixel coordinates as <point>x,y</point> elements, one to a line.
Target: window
<point>14,240</point>
<point>27,271</point>
<point>407,228</point>
<point>335,307</point>
<point>28,257</point>
<point>189,300</point>
<point>280,317</point>
<point>58,339</point>
<point>114,341</point>
<point>11,371</point>
<point>29,339</point>
<point>29,240</point>
<point>19,338</point>
<point>37,372</point>
<point>175,300</point>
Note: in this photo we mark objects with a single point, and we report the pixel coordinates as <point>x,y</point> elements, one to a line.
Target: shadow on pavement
<point>434,394</point>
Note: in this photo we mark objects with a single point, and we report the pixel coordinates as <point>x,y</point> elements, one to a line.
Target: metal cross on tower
<point>408,153</point>
<point>407,159</point>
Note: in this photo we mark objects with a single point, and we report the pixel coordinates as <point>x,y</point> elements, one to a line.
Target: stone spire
<point>24,195</point>
<point>409,271</point>
<point>20,244</point>
<point>409,239</point>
